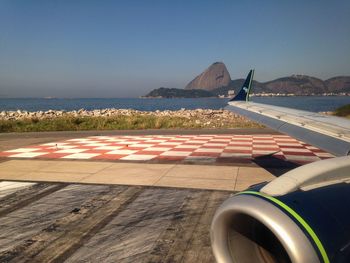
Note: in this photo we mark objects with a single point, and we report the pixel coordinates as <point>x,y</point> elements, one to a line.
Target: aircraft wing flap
<point>329,129</point>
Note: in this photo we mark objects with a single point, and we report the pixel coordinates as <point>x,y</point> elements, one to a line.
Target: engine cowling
<point>301,226</point>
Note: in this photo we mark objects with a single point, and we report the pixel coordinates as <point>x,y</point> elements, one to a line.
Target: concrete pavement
<point>113,211</point>
<point>14,140</point>
<point>233,178</point>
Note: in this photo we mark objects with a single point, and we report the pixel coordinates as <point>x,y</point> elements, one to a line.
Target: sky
<point>98,49</point>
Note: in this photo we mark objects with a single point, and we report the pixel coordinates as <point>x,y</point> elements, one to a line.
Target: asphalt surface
<point>106,223</point>
<point>44,221</point>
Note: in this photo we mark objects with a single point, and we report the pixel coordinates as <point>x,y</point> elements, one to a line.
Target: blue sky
<point>126,48</point>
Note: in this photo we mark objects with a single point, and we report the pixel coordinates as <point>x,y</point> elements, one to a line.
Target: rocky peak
<point>214,77</point>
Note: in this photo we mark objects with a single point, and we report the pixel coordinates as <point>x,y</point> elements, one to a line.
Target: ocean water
<point>309,103</point>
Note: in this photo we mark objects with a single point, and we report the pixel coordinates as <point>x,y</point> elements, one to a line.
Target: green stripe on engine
<point>298,218</point>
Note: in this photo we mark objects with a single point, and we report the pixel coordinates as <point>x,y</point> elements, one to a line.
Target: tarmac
<point>229,178</point>
<point>54,210</point>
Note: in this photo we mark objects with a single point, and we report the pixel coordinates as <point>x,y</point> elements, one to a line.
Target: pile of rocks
<point>203,117</point>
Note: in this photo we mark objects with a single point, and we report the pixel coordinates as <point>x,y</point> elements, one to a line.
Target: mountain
<point>216,81</point>
<point>296,84</point>
<point>214,77</point>
<point>338,84</point>
<point>178,93</point>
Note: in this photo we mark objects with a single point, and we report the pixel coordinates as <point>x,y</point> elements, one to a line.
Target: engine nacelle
<point>302,226</point>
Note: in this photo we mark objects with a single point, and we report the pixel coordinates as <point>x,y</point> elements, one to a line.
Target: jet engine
<point>301,217</point>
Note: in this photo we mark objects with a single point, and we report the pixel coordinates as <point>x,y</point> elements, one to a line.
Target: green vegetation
<point>119,122</point>
<point>343,111</point>
<point>91,123</point>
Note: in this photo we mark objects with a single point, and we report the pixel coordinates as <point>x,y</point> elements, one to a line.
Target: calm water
<point>304,103</point>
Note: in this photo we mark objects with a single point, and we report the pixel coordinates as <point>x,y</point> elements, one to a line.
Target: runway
<point>120,197</point>
<point>105,223</point>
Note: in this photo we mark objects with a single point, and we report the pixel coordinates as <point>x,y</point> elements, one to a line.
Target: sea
<point>309,103</point>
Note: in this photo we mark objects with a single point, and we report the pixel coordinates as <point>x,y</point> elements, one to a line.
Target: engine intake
<point>301,217</point>
<point>250,229</point>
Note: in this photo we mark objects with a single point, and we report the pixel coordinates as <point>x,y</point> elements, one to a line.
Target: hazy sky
<point>127,48</point>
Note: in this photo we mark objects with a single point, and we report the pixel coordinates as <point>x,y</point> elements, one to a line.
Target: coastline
<point>120,119</point>
<point>128,119</point>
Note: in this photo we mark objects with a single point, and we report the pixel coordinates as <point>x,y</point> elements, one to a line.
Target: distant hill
<point>178,93</point>
<point>216,81</point>
<point>338,84</point>
<point>296,84</point>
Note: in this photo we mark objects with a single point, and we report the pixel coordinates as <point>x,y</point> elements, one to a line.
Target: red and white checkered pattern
<point>174,148</point>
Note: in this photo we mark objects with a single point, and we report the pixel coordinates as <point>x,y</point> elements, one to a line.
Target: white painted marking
<point>122,152</point>
<point>289,144</point>
<point>215,144</point>
<point>81,156</point>
<point>269,146</point>
<point>175,153</point>
<point>220,140</point>
<point>63,147</point>
<point>298,150</point>
<point>240,143</point>
<point>151,140</point>
<point>202,138</point>
<point>96,144</point>
<point>143,145</point>
<point>110,148</point>
<point>170,143</point>
<point>127,142</point>
<point>28,154</point>
<point>262,137</point>
<point>23,150</point>
<point>245,148</point>
<point>242,139</point>
<point>197,141</point>
<point>263,141</point>
<point>209,150</point>
<point>323,154</point>
<point>311,148</point>
<point>138,157</point>
<point>76,150</point>
<point>157,149</point>
<point>186,146</point>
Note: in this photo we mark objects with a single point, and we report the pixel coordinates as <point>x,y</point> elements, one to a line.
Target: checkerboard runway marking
<point>174,148</point>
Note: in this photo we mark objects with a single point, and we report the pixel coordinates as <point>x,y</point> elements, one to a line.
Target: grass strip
<point>119,122</point>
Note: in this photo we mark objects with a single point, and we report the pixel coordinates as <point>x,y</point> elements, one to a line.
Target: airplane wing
<point>329,133</point>
<point>302,215</point>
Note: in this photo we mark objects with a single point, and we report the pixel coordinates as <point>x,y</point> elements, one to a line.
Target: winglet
<point>243,94</point>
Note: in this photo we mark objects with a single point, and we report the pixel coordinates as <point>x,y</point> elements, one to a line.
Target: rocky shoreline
<point>205,117</point>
